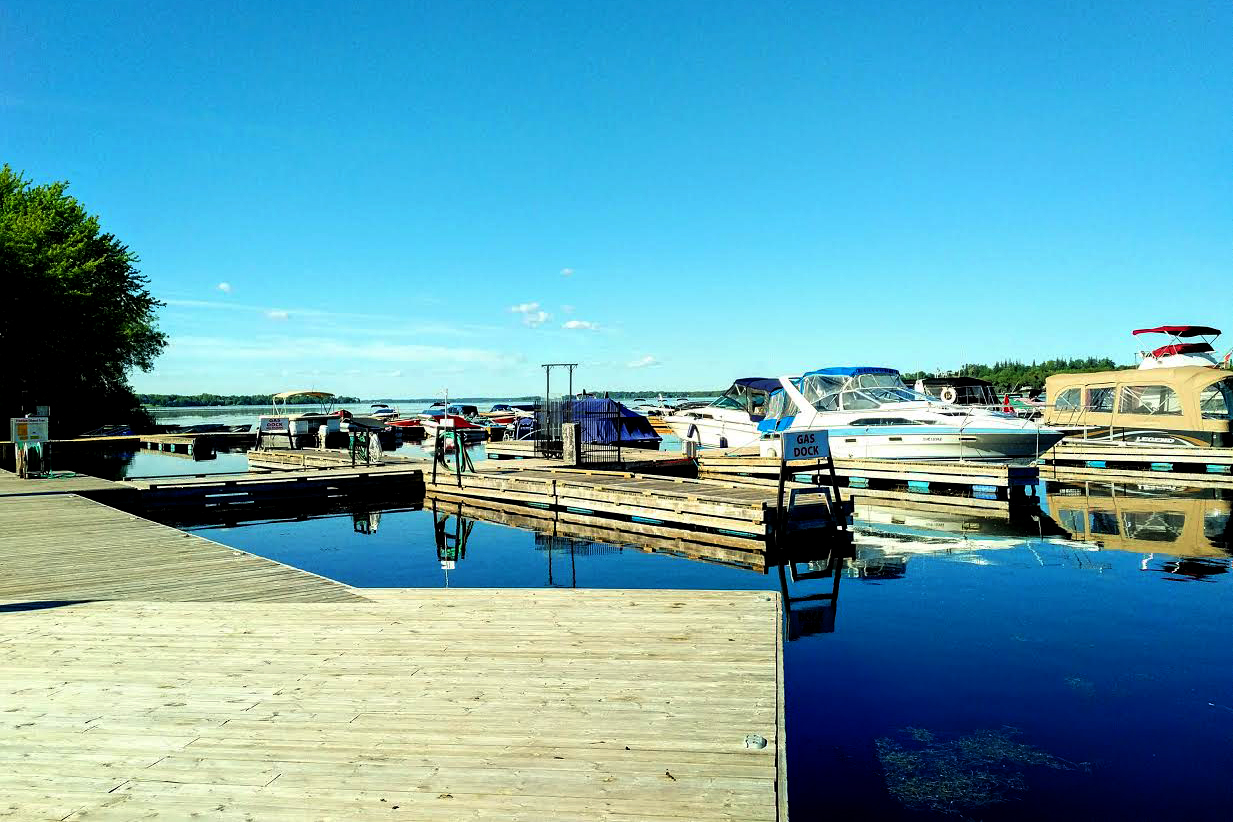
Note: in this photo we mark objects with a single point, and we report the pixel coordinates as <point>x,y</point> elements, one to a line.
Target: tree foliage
<point>78,316</point>
<point>1011,375</point>
<point>206,399</point>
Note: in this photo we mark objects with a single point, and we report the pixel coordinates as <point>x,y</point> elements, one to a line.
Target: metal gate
<point>601,430</point>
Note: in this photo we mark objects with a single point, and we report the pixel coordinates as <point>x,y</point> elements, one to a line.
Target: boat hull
<point>870,443</point>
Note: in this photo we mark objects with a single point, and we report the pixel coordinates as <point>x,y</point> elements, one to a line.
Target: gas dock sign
<point>806,445</point>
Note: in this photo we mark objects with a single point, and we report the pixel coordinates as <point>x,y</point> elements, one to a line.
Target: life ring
<point>948,394</point>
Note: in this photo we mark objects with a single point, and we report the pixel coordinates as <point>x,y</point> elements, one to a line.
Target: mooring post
<point>571,444</point>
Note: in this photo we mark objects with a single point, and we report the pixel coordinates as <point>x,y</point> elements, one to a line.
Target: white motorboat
<point>868,412</point>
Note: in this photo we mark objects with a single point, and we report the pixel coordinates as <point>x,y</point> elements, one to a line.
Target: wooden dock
<point>573,527</point>
<point>732,512</point>
<point>992,488</point>
<point>392,483</point>
<point>432,705</point>
<point>1208,465</point>
<point>640,460</point>
<point>65,548</point>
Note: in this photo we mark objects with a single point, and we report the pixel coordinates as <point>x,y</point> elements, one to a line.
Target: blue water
<point>1115,666</point>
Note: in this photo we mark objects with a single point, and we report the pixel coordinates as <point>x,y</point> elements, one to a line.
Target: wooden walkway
<point>425,705</point>
<point>67,548</point>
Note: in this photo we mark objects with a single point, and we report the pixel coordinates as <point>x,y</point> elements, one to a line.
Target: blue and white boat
<point>869,412</point>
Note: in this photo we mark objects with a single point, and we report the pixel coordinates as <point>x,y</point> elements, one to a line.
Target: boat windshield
<point>832,392</point>
<point>1216,401</point>
<point>743,398</point>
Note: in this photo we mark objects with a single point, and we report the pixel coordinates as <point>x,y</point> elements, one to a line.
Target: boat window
<point>1102,522</point>
<point>780,405</point>
<point>1068,399</point>
<point>1216,401</point>
<point>1072,520</point>
<point>1154,526</point>
<point>885,421</point>
<point>1100,399</point>
<point>1148,399</point>
<point>858,401</point>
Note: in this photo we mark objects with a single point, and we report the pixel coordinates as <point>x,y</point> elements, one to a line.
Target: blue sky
<point>389,199</point>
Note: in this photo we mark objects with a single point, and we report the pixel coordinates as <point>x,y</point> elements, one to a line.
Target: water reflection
<point>1183,521</point>
<point>811,601</point>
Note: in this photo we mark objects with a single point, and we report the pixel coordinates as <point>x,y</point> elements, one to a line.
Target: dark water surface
<point>978,675</point>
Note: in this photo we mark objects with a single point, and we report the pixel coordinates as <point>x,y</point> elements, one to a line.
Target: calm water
<point>1037,677</point>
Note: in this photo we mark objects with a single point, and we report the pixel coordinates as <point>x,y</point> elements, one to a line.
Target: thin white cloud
<point>531,314</point>
<point>568,272</point>
<point>567,309</point>
<point>584,325</point>
<point>225,288</point>
<point>643,362</point>
<point>277,314</point>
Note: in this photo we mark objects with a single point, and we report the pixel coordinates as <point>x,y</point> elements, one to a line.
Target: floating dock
<point>573,528</point>
<point>731,512</point>
<point>990,488</point>
<point>1209,466</point>
<point>640,460</point>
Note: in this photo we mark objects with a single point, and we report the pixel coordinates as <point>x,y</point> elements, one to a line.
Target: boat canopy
<point>1181,330</point>
<point>849,388</point>
<point>758,383</point>
<point>1182,348</point>
<point>321,395</point>
<point>852,371</point>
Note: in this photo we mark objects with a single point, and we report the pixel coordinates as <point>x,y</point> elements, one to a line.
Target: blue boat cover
<point>602,429</point>
<point>850,371</point>
<point>759,383</point>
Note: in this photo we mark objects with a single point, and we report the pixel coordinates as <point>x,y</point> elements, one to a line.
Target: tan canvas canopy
<point>321,395</point>
<point>1186,384</point>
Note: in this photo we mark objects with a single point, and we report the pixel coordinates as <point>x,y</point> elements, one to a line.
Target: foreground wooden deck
<point>67,548</point>
<point>426,705</point>
<point>153,674</point>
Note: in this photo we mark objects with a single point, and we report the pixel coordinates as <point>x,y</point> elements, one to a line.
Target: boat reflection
<point>1191,525</point>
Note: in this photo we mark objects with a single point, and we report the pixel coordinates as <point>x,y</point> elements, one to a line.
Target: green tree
<point>77,315</point>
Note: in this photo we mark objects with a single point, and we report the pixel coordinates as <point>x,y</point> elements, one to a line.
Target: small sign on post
<point>806,445</point>
<point>25,430</point>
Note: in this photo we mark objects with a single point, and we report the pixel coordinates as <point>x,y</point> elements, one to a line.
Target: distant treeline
<point>1012,374</point>
<point>198,400</point>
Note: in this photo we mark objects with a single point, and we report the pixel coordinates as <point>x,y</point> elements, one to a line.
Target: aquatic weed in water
<point>983,768</point>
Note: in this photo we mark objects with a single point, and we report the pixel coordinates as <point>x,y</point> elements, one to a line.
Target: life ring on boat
<point>948,394</point>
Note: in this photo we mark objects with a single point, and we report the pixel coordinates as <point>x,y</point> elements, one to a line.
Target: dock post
<point>571,443</point>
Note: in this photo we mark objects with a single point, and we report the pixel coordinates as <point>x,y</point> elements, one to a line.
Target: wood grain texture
<point>435,704</point>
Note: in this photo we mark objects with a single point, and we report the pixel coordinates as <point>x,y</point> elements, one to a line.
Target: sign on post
<point>806,445</point>
<point>25,430</point>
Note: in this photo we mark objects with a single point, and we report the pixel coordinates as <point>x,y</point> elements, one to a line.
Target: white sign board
<point>806,445</point>
<point>274,425</point>
<point>28,429</point>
